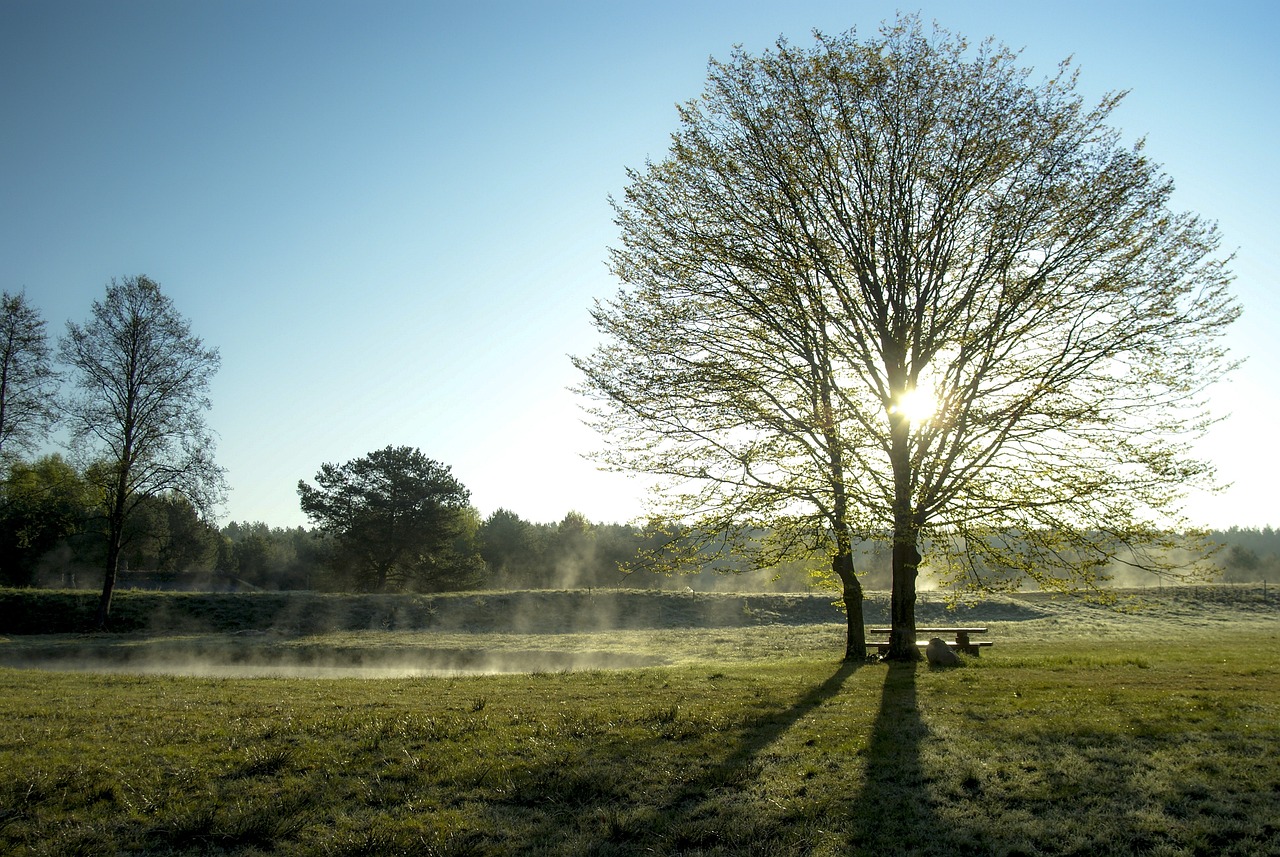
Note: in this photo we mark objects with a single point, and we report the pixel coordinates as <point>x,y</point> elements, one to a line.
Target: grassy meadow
<point>1082,731</point>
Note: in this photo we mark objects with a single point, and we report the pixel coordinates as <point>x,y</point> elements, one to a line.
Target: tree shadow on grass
<point>711,808</point>
<point>703,816</point>
<point>724,802</point>
<point>767,728</point>
<point>893,813</point>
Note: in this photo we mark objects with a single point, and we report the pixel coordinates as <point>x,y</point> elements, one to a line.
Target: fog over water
<point>426,664</point>
<point>311,635</point>
<point>548,631</point>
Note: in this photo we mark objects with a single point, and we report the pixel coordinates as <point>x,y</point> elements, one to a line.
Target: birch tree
<point>899,288</point>
<point>136,414</point>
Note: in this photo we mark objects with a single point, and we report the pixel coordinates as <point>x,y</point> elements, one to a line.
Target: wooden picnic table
<point>960,639</point>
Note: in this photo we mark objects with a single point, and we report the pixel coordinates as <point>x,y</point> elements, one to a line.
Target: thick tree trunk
<point>902,601</point>
<point>855,647</point>
<point>906,554</point>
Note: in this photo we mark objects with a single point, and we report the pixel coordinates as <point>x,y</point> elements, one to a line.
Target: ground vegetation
<point>1082,732</point>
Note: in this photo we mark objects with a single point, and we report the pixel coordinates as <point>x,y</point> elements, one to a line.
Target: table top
<point>919,630</point>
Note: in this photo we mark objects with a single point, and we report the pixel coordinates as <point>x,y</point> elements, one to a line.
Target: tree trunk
<point>906,555</point>
<point>855,644</point>
<point>115,535</point>
<point>855,647</point>
<point>902,601</point>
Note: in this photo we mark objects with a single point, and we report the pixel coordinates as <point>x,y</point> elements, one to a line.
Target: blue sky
<point>391,217</point>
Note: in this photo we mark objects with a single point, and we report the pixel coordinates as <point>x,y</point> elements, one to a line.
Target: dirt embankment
<point>553,612</point>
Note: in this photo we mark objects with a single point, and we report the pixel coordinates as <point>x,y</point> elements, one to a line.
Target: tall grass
<point>1083,747</point>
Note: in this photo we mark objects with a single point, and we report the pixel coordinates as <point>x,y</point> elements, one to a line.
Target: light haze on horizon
<point>391,218</point>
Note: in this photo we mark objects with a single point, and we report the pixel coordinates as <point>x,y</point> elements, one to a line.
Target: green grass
<point>1120,746</point>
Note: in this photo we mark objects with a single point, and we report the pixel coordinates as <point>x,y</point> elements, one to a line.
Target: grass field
<point>1082,731</point>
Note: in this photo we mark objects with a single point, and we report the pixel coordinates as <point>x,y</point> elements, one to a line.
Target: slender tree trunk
<point>855,647</point>
<point>115,536</point>
<point>381,577</point>
<point>4,386</point>
<point>108,586</point>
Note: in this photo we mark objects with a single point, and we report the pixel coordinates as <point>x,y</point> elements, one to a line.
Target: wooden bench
<point>960,640</point>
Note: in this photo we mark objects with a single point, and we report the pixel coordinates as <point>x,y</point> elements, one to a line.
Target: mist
<point>424,663</point>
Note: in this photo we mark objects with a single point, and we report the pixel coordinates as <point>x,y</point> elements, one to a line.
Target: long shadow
<point>768,728</point>
<point>737,768</point>
<point>893,813</point>
<point>684,820</point>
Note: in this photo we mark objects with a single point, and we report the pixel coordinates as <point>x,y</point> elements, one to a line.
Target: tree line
<point>51,535</point>
<point>1249,554</point>
<point>133,499</point>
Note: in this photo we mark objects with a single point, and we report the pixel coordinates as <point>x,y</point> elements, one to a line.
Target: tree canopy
<point>137,410</point>
<point>394,515</point>
<point>896,288</point>
<point>42,505</point>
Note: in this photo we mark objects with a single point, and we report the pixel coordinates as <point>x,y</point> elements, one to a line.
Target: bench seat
<point>973,647</point>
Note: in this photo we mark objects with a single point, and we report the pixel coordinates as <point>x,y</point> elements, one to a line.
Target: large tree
<point>395,517</point>
<point>897,288</point>
<point>137,412</point>
<point>27,377</point>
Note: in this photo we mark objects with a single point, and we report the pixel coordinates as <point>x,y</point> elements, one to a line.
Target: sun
<point>917,405</point>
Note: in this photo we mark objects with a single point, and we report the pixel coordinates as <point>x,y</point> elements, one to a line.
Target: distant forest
<point>49,537</point>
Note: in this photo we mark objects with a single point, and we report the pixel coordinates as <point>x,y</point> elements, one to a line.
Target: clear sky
<point>391,217</point>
